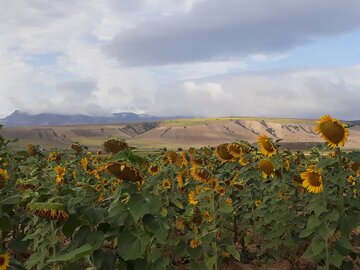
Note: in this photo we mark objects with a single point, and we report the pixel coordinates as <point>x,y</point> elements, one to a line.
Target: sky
<point>204,58</point>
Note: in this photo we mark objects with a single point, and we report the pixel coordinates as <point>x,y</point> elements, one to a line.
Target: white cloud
<point>291,93</point>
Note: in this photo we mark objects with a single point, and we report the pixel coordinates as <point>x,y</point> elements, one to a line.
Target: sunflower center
<point>2,260</point>
<point>314,179</point>
<point>268,146</point>
<point>333,131</point>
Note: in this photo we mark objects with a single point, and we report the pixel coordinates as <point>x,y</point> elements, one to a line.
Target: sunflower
<point>180,223</point>
<point>84,163</point>
<point>172,157</point>
<point>114,146</point>
<point>192,151</point>
<point>228,201</point>
<point>214,183</point>
<point>266,167</point>
<point>180,179</point>
<point>154,169</point>
<point>195,161</point>
<point>286,164</point>
<point>267,147</point>
<point>223,153</point>
<point>54,156</point>
<point>4,261</point>
<point>4,174</point>
<point>191,198</point>
<point>257,203</point>
<point>48,210</point>
<point>334,132</point>
<point>31,150</point>
<point>26,184</point>
<point>207,216</point>
<point>312,180</point>
<point>185,159</point>
<point>166,184</point>
<point>77,147</point>
<point>235,149</point>
<point>243,161</point>
<point>194,243</point>
<point>60,173</point>
<point>125,171</point>
<point>200,174</point>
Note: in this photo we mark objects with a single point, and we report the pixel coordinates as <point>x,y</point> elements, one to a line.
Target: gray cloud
<point>217,29</point>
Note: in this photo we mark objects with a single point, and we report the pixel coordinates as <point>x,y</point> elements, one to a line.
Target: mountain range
<point>19,118</point>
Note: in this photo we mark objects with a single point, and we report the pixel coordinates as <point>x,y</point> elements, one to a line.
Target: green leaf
<point>118,215</point>
<point>325,232</point>
<point>104,260</point>
<point>132,245</point>
<point>233,251</point>
<point>5,224</point>
<point>319,209</point>
<point>225,208</point>
<point>95,239</point>
<point>140,205</point>
<point>19,245</point>
<point>210,262</point>
<point>70,225</point>
<point>336,259</point>
<point>157,226</point>
<point>11,200</point>
<point>333,215</point>
<point>317,245</point>
<point>344,243</point>
<point>73,255</point>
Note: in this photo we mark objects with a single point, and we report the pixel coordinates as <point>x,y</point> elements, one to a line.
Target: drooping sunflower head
<point>166,184</point>
<point>22,184</point>
<point>4,261</point>
<point>48,210</point>
<point>114,146</point>
<point>196,161</point>
<point>266,167</point>
<point>172,157</point>
<point>154,169</point>
<point>125,171</point>
<point>31,150</point>
<point>267,147</point>
<point>223,153</point>
<point>312,180</point>
<point>192,151</point>
<point>200,174</point>
<point>77,148</point>
<point>235,149</point>
<point>334,132</point>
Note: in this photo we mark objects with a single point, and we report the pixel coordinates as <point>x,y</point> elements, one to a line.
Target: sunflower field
<point>207,208</point>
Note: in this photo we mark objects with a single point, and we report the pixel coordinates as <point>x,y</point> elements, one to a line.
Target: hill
<point>295,133</point>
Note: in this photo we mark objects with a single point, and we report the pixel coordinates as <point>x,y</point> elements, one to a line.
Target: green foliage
<point>70,212</point>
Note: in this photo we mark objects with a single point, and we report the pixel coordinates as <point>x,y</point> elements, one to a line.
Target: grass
<point>203,121</point>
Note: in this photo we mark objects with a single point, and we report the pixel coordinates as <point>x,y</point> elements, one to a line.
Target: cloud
<point>217,29</point>
<point>283,93</point>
